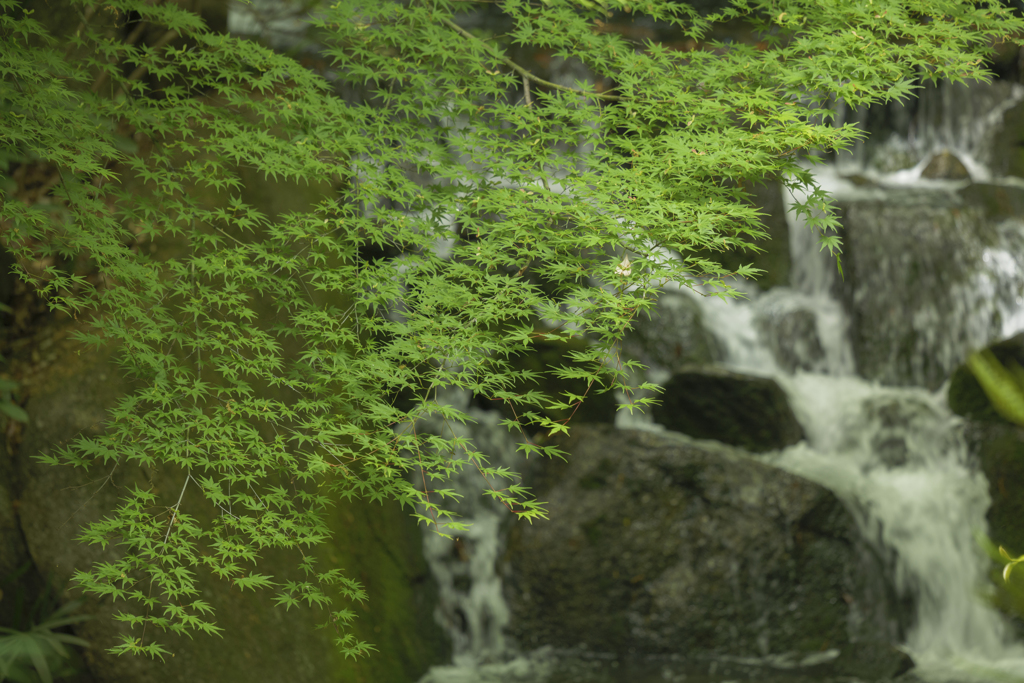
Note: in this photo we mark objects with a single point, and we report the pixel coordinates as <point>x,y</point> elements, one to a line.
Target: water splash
<point>962,120</point>
<point>1001,279</point>
<point>471,608</point>
<point>895,457</point>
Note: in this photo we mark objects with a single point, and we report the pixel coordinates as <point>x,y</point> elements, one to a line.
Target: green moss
<point>377,545</point>
<point>381,546</point>
<point>598,477</point>
<point>594,530</point>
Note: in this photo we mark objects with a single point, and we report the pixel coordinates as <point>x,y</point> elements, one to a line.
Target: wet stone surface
<point>868,663</point>
<point>660,544</point>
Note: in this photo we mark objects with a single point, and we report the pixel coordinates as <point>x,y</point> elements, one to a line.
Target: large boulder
<point>945,165</point>
<point>70,389</point>
<point>740,410</point>
<point>657,543</point>
<point>929,276</point>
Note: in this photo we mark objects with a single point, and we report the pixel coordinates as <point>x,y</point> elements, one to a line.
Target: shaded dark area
<point>750,412</point>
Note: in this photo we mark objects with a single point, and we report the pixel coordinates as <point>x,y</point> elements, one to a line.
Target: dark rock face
<point>378,546</point>
<point>997,445</point>
<point>659,544</point>
<point>17,573</point>
<point>672,336</point>
<point>999,448</point>
<point>925,280</point>
<point>946,166</point>
<point>740,410</point>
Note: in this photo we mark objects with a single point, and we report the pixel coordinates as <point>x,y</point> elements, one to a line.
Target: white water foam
<point>896,458</point>
<point>925,501</point>
<point>471,607</point>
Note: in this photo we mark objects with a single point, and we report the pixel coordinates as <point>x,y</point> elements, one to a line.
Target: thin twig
<point>526,92</point>
<point>177,506</point>
<point>106,480</point>
<point>520,70</point>
<point>141,70</point>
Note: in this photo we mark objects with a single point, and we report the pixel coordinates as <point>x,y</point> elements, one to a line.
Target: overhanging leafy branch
<point>451,229</point>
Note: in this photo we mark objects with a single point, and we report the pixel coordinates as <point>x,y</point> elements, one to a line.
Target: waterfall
<point>895,458</point>
<point>471,608</point>
<point>894,455</point>
<point>964,120</point>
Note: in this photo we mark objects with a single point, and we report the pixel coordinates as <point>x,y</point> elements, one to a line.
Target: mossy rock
<point>945,165</point>
<point>659,544</point>
<point>999,449</point>
<point>965,395</point>
<point>380,546</point>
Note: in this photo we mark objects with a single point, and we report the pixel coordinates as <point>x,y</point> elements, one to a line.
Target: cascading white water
<point>964,120</point>
<point>471,608</point>
<point>894,455</point>
<point>924,501</point>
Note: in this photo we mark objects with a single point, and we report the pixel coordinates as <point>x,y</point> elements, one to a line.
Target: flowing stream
<point>894,456</point>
